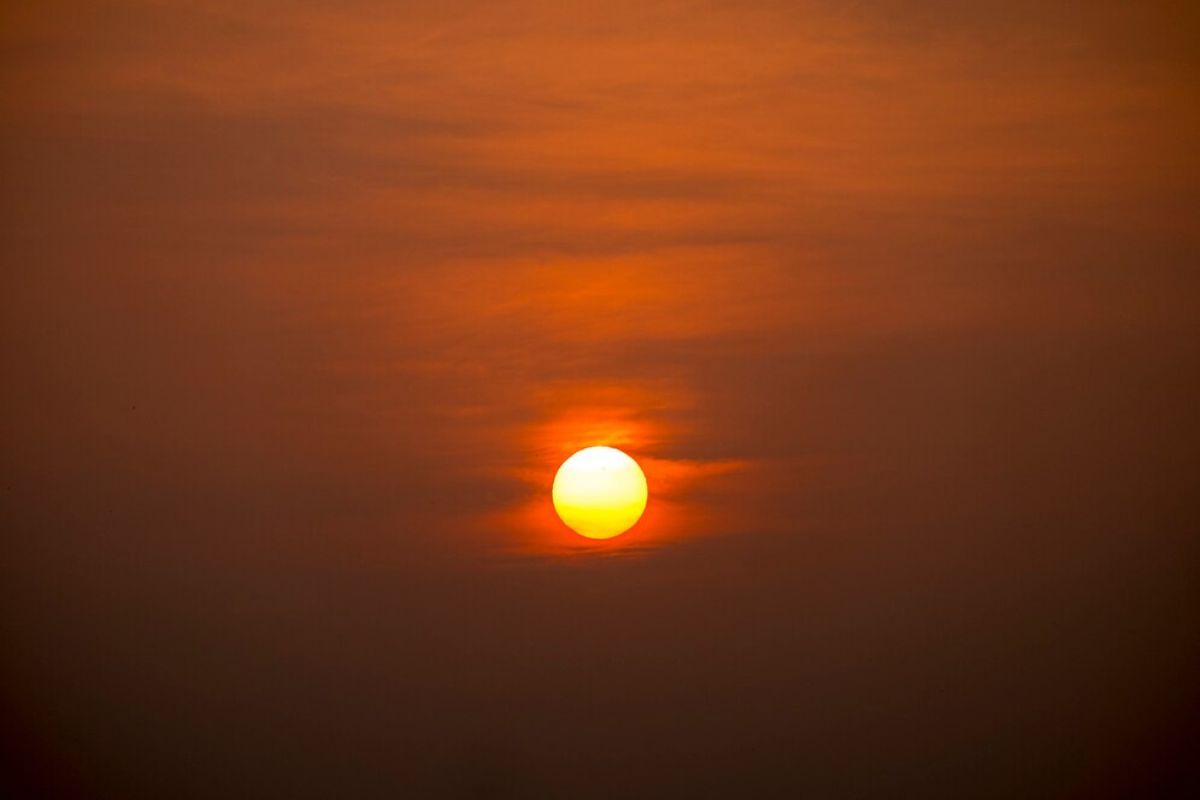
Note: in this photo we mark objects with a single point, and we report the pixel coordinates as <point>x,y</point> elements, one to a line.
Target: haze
<point>895,302</point>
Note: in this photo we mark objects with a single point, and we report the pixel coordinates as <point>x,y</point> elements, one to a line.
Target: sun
<point>599,492</point>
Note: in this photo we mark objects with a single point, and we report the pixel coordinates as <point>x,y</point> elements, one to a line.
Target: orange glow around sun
<point>600,492</point>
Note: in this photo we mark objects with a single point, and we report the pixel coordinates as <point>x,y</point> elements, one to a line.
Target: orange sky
<point>304,301</point>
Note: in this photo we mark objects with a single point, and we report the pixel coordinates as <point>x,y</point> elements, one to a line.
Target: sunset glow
<point>344,343</point>
<point>600,492</point>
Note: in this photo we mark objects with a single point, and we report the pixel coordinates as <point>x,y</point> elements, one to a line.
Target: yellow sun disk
<point>599,492</point>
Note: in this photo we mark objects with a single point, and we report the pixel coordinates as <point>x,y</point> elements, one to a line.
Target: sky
<point>303,303</point>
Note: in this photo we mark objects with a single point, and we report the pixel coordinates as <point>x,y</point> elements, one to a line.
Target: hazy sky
<point>304,302</point>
